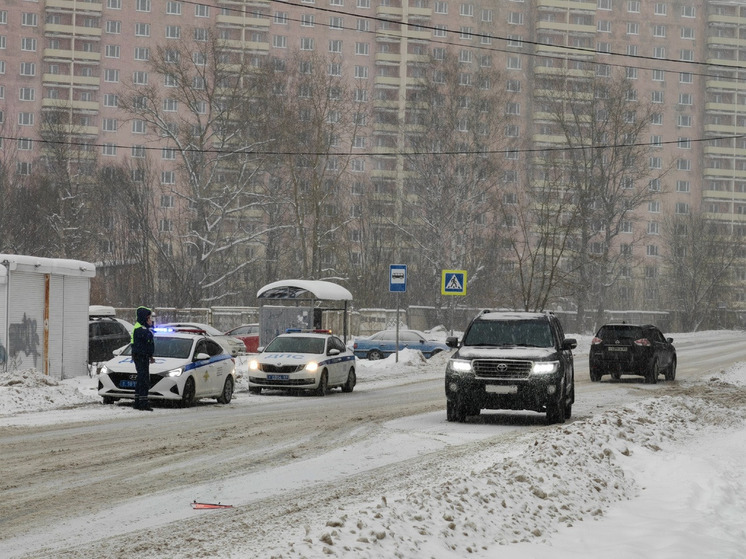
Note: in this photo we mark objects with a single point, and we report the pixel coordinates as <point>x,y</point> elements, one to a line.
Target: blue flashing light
<point>158,330</point>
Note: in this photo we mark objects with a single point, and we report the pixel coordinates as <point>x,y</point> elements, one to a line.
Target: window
<point>659,31</point>
<point>23,168</point>
<point>138,151</point>
<point>142,30</point>
<point>306,43</point>
<point>112,51</point>
<point>142,53</point>
<point>336,22</point>
<point>514,63</point>
<point>439,31</point>
<point>687,33</point>
<point>656,163</point>
<point>441,7</point>
<point>29,19</point>
<point>361,95</point>
<point>335,69</point>
<point>168,177</point>
<point>173,32</point>
<point>200,34</point>
<point>142,5</point>
<point>361,72</point>
<point>654,185</point>
<point>660,8</point>
<point>683,164</point>
<point>684,120</point>
<point>335,46</point>
<point>114,4</point>
<point>201,10</point>
<point>688,11</point>
<point>138,126</point>
<point>114,27</point>
<point>358,165</point>
<point>515,18</point>
<point>109,125</point>
<point>168,153</point>
<point>659,75</point>
<point>27,44</point>
<point>633,6</point>
<point>659,52</point>
<point>111,100</point>
<point>173,8</point>
<point>633,28</point>
<point>109,149</point>
<point>466,33</point>
<point>165,225</point>
<point>603,26</point>
<point>466,10</point>
<point>306,20</point>
<point>140,78</point>
<point>26,94</point>
<point>25,144</point>
<point>682,186</point>
<point>362,49</point>
<point>656,141</point>
<point>685,143</point>
<point>111,76</point>
<point>363,3</point>
<point>654,206</point>
<point>28,69</point>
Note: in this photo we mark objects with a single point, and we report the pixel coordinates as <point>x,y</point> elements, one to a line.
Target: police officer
<point>142,355</point>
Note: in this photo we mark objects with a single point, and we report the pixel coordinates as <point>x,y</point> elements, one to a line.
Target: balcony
<point>67,79</point>
<point>78,31</point>
<point>70,55</point>
<point>74,6</point>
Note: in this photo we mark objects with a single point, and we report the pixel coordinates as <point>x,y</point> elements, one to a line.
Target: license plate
<point>278,377</point>
<point>614,348</point>
<point>501,389</point>
<point>127,384</point>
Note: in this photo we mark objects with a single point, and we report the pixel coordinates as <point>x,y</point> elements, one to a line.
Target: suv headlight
<point>312,366</point>
<point>545,367</point>
<point>175,372</point>
<point>460,366</point>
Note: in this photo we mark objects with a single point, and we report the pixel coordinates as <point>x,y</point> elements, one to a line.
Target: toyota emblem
<point>502,367</point>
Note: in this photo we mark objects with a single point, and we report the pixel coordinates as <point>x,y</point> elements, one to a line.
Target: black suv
<point>632,349</point>
<point>511,360</point>
<point>105,334</point>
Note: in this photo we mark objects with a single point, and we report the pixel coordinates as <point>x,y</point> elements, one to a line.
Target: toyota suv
<point>511,360</point>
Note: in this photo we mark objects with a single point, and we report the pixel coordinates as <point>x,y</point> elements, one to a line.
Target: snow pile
<point>570,474</point>
<point>30,390</point>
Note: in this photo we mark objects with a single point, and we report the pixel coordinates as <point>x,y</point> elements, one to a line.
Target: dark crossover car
<point>511,360</point>
<point>632,349</point>
<point>105,334</point>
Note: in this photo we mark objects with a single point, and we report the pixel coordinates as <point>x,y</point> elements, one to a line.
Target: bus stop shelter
<point>299,304</point>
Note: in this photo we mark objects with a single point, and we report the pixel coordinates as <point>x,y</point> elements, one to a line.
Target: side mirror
<point>333,351</point>
<point>452,341</point>
<point>119,350</point>
<point>669,340</point>
<point>201,357</point>
<point>570,343</point>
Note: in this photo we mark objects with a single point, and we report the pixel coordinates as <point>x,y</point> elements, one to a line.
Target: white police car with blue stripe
<point>311,361</point>
<point>187,367</point>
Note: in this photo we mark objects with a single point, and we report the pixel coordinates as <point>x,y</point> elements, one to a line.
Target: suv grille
<point>510,369</point>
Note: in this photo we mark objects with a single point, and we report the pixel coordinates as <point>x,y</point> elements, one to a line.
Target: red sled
<point>196,505</point>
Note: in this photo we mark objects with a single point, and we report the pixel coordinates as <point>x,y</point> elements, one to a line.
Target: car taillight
<point>642,342</point>
<point>596,341</point>
<point>354,346</point>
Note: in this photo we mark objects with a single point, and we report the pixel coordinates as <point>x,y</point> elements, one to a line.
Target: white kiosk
<point>44,314</point>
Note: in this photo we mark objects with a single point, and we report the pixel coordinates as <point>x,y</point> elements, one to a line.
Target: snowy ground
<point>662,477</point>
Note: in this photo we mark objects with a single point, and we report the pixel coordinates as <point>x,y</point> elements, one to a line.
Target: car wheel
<point>108,400</point>
<point>616,375</point>
<point>671,371</point>
<point>375,355</point>
<point>189,396</point>
<point>595,377</point>
<point>227,394</point>
<point>455,410</point>
<point>652,376</point>
<point>556,409</point>
<point>351,381</point>
<point>255,390</point>
<point>323,387</point>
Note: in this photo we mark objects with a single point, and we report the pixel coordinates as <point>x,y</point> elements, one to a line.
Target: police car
<point>311,361</point>
<point>187,367</point>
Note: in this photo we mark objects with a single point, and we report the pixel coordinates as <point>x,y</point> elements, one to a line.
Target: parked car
<point>511,360</point>
<point>234,346</point>
<point>382,344</point>
<point>310,361</point>
<point>632,349</point>
<point>106,333</point>
<point>248,334</point>
<point>187,367</point>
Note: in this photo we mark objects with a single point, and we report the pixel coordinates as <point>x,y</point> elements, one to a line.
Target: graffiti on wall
<point>23,338</point>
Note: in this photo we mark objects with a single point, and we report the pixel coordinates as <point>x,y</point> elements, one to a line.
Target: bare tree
<point>699,262</point>
<point>195,104</point>
<point>454,154</point>
<point>309,125</point>
<point>606,164</point>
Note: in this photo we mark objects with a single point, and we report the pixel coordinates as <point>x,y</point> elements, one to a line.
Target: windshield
<point>620,332</point>
<point>509,333</point>
<point>296,344</point>
<point>175,348</point>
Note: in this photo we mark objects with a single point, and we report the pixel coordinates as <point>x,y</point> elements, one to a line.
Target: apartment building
<point>684,56</point>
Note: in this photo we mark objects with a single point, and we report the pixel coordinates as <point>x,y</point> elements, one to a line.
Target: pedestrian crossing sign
<point>453,282</point>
